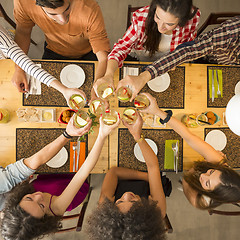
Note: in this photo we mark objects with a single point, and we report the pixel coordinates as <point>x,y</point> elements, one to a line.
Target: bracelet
<point>140,139</point>
<point>66,135</point>
<point>169,115</point>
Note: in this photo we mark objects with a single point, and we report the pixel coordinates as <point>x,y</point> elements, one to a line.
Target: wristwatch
<point>169,115</point>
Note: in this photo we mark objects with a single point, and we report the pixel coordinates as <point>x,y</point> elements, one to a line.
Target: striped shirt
<point>135,36</point>
<point>9,49</point>
<point>221,45</point>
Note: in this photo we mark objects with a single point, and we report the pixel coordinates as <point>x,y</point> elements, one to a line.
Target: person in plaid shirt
<point>220,45</point>
<point>156,30</point>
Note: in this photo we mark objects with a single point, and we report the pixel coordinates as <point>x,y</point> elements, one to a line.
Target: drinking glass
<point>104,91</point>
<point>141,101</point>
<point>124,94</point>
<point>80,119</point>
<point>110,117</point>
<point>97,107</point>
<point>76,102</point>
<point>130,115</point>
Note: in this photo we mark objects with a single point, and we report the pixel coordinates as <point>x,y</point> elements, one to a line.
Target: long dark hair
<point>179,8</point>
<point>142,221</point>
<point>50,3</point>
<point>17,224</point>
<point>228,191</point>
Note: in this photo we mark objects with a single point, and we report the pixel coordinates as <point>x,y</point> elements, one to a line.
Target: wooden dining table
<point>195,101</point>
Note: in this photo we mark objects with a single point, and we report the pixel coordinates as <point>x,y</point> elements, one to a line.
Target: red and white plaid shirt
<point>135,36</point>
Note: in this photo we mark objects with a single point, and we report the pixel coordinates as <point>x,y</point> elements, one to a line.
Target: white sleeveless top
<point>164,48</point>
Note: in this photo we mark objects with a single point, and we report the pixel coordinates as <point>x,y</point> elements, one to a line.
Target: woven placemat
<point>232,149</point>
<point>31,140</point>
<point>126,143</point>
<point>230,76</point>
<point>173,97</point>
<point>53,98</point>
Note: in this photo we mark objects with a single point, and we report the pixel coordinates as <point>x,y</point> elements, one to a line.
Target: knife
<point>213,89</point>
<point>78,152</point>
<point>176,167</point>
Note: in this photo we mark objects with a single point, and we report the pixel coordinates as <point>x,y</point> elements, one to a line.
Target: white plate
<point>138,152</point>
<point>217,139</point>
<point>58,160</point>
<point>72,76</point>
<point>159,84</point>
<point>237,88</point>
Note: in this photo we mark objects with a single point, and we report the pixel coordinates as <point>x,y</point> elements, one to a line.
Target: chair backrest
<point>226,213</point>
<point>129,14</point>
<point>4,15</point>
<point>216,18</point>
<point>168,225</point>
<point>80,216</point>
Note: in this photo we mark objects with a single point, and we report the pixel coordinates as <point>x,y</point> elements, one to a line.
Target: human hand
<point>73,131</point>
<point>94,97</point>
<point>105,79</point>
<point>136,83</point>
<point>153,106</point>
<point>19,80</point>
<point>136,128</point>
<point>105,130</point>
<point>68,92</point>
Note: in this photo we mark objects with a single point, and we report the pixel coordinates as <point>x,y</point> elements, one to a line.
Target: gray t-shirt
<point>11,176</point>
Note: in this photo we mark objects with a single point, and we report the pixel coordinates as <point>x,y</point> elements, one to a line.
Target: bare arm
<point>200,146</point>
<point>111,180</point>
<point>61,202</point>
<point>22,38</point>
<point>49,151</point>
<point>154,177</point>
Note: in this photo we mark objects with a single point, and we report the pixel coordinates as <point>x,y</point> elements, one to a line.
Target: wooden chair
<point>168,225</point>
<point>4,15</point>
<point>225,213</point>
<point>80,215</point>
<point>216,18</point>
<point>129,14</point>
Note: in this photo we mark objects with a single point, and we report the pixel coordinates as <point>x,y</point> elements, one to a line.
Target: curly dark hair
<point>228,191</point>
<point>17,224</point>
<point>142,222</point>
<point>179,8</point>
<point>50,3</point>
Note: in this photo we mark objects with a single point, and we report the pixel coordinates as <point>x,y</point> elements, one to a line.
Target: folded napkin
<point>34,82</point>
<point>82,155</point>
<point>169,155</point>
<point>220,80</point>
<point>130,71</point>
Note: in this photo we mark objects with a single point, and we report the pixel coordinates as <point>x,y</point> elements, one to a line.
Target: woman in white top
<point>9,49</point>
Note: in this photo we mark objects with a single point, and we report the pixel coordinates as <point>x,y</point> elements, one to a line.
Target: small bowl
<point>217,117</point>
<point>202,117</point>
<point>60,117</point>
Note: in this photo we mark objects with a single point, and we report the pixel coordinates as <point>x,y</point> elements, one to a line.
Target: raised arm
<point>195,142</point>
<point>61,202</point>
<point>111,180</point>
<point>49,151</point>
<point>154,177</point>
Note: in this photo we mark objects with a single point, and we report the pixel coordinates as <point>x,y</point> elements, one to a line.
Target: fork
<point>74,147</point>
<point>218,91</point>
<point>174,148</point>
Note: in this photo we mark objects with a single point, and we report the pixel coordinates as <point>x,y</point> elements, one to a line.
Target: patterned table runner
<point>31,140</point>
<point>126,143</point>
